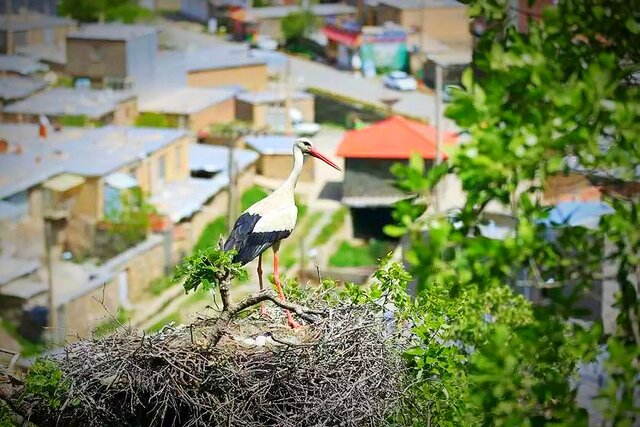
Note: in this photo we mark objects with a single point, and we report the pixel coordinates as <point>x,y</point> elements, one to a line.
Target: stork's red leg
<point>292,323</point>
<point>263,308</point>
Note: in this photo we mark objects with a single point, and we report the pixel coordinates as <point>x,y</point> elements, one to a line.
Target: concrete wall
<point>253,77</point>
<point>84,313</point>
<point>141,54</point>
<point>279,167</point>
<point>37,36</point>
<point>176,158</point>
<point>223,112</point>
<point>89,201</point>
<point>96,58</point>
<point>126,112</point>
<point>142,269</point>
<point>447,24</point>
<point>256,114</point>
<point>570,187</point>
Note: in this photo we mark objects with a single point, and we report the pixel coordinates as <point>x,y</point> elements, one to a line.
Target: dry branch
<point>340,370</point>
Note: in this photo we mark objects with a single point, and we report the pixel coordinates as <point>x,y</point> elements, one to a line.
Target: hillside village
<point>125,147</point>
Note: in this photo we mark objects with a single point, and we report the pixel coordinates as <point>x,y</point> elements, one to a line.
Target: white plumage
<point>271,219</point>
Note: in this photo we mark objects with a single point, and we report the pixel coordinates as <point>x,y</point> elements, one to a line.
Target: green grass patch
<point>251,196</point>
<point>73,120</point>
<point>27,348</point>
<point>173,317</point>
<point>159,285</point>
<point>349,255</point>
<point>290,252</point>
<point>330,228</point>
<point>154,120</point>
<point>211,234</point>
<point>110,325</point>
<point>64,81</point>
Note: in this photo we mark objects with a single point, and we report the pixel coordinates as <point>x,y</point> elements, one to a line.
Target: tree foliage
<point>541,104</point>
<point>127,11</point>
<point>296,25</point>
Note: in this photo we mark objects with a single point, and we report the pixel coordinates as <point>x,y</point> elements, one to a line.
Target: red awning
<point>341,36</point>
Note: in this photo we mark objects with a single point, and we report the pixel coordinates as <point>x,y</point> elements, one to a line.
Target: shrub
<point>335,223</point>
<point>211,233</point>
<point>251,196</point>
<point>369,254</point>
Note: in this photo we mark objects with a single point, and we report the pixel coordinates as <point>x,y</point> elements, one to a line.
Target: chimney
<point>44,124</point>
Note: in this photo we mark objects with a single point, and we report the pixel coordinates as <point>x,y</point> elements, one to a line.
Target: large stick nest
<point>339,371</point>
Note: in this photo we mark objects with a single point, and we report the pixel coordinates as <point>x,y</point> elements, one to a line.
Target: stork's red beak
<point>315,153</point>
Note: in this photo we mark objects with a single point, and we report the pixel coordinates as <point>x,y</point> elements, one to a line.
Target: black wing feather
<point>249,244</point>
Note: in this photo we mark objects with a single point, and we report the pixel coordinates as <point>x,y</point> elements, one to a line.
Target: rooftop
<point>221,60</point>
<point>55,54</point>
<point>180,200</point>
<point>393,138</point>
<point>173,65</point>
<point>112,31</point>
<point>451,57</point>
<point>21,65</point>
<point>215,158</point>
<point>12,268</point>
<point>81,151</point>
<point>421,4</point>
<point>185,100</point>
<point>271,96</point>
<point>578,213</point>
<point>273,12</point>
<point>30,21</point>
<point>15,87</point>
<point>61,101</point>
<point>271,144</point>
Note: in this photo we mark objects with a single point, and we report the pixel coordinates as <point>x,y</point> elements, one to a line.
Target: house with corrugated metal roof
<point>275,160</point>
<point>74,181</point>
<point>75,106</point>
<point>29,28</point>
<point>369,154</point>
<point>265,21</point>
<point>225,68</point>
<point>112,55</point>
<point>266,109</point>
<point>15,88</point>
<point>17,65</point>
<point>190,108</point>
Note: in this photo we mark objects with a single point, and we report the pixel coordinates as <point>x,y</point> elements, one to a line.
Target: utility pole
<point>232,189</point>
<point>438,100</point>
<point>288,128</point>
<point>49,217</point>
<point>9,40</point>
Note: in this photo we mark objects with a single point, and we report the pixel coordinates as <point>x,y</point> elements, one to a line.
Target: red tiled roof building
<point>369,154</point>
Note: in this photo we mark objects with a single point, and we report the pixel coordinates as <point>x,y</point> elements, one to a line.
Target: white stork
<point>270,220</point>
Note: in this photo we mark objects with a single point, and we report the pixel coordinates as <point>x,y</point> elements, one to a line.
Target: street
<point>306,73</point>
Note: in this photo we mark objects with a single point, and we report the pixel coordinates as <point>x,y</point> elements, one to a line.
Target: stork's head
<point>305,145</point>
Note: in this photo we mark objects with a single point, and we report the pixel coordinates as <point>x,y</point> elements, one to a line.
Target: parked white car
<point>399,80</point>
<point>275,118</point>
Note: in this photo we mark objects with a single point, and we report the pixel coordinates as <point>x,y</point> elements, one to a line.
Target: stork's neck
<point>298,162</point>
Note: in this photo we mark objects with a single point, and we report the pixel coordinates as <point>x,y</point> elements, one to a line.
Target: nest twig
<point>340,370</point>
